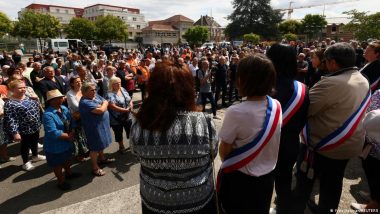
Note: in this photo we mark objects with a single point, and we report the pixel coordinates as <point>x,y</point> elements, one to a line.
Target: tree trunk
<point>39,39</point>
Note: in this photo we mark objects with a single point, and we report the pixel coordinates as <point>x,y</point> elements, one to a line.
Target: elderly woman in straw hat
<point>58,134</point>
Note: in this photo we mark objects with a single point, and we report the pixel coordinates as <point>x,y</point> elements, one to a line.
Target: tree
<point>290,37</point>
<point>289,26</point>
<point>253,16</point>
<point>312,25</point>
<point>6,25</point>
<point>80,28</point>
<point>251,37</point>
<point>363,26</point>
<point>111,28</point>
<point>37,25</point>
<point>196,35</point>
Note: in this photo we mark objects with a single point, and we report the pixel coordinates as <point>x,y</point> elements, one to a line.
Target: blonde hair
<point>112,81</point>
<point>13,84</point>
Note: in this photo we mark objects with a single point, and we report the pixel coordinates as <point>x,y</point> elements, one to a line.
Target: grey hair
<point>86,86</point>
<point>112,81</point>
<point>343,54</point>
<point>47,67</point>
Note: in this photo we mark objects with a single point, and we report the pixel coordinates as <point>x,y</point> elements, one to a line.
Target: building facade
<point>216,31</point>
<point>62,13</point>
<point>131,16</point>
<point>337,33</point>
<point>170,30</point>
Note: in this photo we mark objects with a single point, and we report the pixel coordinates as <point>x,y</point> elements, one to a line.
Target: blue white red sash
<point>295,102</point>
<point>344,132</point>
<point>245,154</point>
<point>375,84</point>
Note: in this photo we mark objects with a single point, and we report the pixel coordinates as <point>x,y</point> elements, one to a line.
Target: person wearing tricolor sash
<point>250,137</point>
<point>294,101</point>
<point>372,69</point>
<point>334,132</point>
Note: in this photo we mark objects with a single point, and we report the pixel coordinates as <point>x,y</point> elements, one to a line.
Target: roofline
<point>128,8</point>
<point>50,5</point>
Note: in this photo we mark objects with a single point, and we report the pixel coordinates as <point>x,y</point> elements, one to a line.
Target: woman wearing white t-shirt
<point>250,137</point>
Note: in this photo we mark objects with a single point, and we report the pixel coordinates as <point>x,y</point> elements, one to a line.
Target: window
<point>55,44</point>
<point>62,44</point>
<point>138,26</point>
<point>67,11</point>
<point>57,10</point>
<point>134,19</point>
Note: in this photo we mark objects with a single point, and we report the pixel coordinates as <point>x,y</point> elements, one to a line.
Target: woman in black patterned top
<point>22,122</point>
<point>176,145</point>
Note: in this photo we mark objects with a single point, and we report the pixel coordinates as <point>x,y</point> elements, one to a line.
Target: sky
<point>193,9</point>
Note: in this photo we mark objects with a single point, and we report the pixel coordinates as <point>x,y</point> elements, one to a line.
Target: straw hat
<point>372,124</point>
<point>53,94</point>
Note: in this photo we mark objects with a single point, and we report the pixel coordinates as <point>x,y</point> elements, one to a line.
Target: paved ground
<point>116,192</point>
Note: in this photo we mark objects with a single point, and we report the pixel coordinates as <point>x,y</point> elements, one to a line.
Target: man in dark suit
<point>51,82</point>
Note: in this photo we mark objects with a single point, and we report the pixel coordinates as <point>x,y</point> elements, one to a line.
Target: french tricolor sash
<point>240,157</point>
<point>375,84</point>
<point>295,102</point>
<point>334,139</point>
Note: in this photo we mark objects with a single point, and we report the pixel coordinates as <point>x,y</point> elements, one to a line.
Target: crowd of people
<point>306,107</point>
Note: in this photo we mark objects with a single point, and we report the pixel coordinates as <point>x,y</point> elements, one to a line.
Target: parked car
<point>207,45</point>
<point>109,48</point>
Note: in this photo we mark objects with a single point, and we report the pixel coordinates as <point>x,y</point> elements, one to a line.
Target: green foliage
<point>6,25</point>
<point>111,28</point>
<point>363,26</point>
<point>80,28</point>
<point>289,26</point>
<point>37,25</point>
<point>196,35</point>
<point>253,16</point>
<point>290,37</point>
<point>251,37</point>
<point>312,25</point>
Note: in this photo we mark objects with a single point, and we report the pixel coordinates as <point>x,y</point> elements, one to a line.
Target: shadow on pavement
<point>38,172</point>
<point>123,163</point>
<point>44,193</point>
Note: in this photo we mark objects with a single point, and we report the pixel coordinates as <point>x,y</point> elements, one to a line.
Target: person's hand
<point>127,110</point>
<point>17,137</point>
<point>71,136</point>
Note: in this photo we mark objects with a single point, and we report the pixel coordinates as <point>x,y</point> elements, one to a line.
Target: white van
<point>60,46</point>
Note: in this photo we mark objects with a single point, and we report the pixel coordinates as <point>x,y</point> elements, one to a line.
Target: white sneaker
<point>358,207</point>
<point>40,146</point>
<point>272,211</point>
<point>28,166</point>
<point>38,158</point>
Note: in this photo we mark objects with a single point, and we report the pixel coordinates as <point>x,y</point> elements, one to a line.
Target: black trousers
<point>29,141</point>
<point>221,87</point>
<point>371,168</point>
<point>283,174</point>
<point>233,91</point>
<point>204,97</point>
<point>118,131</point>
<point>330,173</point>
<point>244,194</point>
